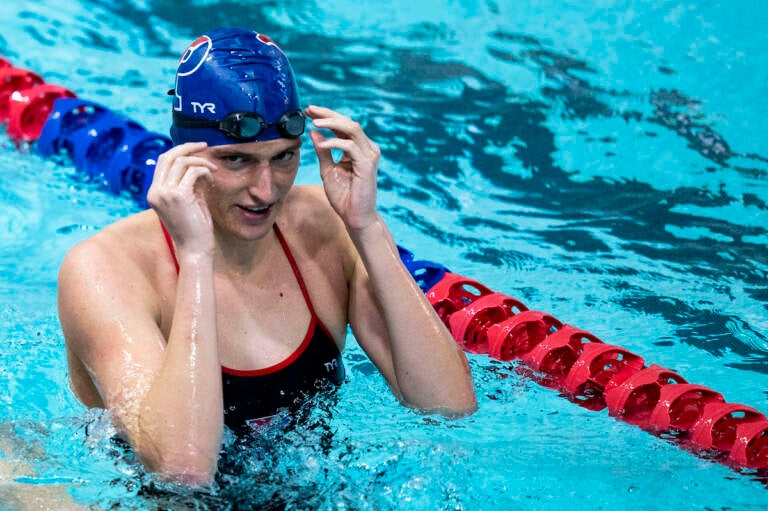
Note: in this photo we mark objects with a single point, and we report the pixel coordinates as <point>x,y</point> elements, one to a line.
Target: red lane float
<point>598,366</point>
<point>552,359</point>
<point>30,109</point>
<point>13,79</point>
<point>634,399</point>
<point>519,334</point>
<point>716,428</point>
<point>590,372</point>
<point>680,406</point>
<point>597,375</point>
<point>454,292</point>
<point>471,323</point>
<point>750,448</point>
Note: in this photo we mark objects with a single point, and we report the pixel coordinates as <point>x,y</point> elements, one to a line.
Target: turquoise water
<point>603,163</point>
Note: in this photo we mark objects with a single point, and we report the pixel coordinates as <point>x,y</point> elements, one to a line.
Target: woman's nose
<point>261,182</point>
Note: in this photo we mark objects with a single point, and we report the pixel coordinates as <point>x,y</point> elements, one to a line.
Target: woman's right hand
<point>179,202</point>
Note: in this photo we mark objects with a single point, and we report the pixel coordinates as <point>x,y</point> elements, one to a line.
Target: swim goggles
<point>246,125</point>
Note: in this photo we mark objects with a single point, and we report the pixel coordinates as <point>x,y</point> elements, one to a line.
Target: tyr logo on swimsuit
<point>331,366</point>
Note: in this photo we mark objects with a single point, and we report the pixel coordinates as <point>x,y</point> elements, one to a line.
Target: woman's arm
<point>164,394</point>
<point>391,317</point>
<point>430,370</point>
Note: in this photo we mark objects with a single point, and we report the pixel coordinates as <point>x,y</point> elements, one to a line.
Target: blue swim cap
<point>231,70</point>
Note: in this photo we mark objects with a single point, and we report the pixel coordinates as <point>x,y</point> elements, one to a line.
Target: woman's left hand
<point>350,183</point>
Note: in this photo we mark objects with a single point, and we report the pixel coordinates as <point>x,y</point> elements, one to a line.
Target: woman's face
<point>249,184</point>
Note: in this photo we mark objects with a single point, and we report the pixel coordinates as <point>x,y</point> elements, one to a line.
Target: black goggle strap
<point>290,125</point>
<point>186,121</point>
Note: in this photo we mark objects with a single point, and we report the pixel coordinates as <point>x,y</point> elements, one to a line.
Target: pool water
<point>604,163</point>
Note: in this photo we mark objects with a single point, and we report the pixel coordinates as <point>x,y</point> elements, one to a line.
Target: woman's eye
<point>234,160</point>
<point>284,157</point>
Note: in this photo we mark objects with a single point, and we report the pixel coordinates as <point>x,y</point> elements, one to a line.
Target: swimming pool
<point>601,163</point>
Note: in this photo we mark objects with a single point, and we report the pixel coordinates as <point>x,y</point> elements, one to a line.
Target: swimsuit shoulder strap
<point>295,268</point>
<point>169,241</point>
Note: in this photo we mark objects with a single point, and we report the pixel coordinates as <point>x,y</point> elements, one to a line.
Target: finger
<point>317,112</point>
<point>346,128</point>
<point>352,152</point>
<point>340,124</point>
<point>181,166</point>
<point>166,160</point>
<point>181,150</point>
<point>337,123</point>
<point>192,176</point>
<point>187,148</point>
<point>185,188</point>
<point>324,156</point>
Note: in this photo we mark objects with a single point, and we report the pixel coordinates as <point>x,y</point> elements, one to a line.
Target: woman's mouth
<point>256,212</point>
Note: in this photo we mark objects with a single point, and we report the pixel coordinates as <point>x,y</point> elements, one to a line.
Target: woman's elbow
<point>189,467</point>
<point>454,406</point>
<point>186,472</point>
<point>188,477</point>
<point>462,406</point>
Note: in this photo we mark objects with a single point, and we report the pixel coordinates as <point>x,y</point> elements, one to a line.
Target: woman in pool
<point>228,301</point>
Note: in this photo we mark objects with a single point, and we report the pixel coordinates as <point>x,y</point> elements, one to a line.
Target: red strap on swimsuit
<point>296,272</point>
<point>170,246</point>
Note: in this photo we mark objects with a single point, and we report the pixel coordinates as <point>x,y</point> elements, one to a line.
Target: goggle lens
<point>292,123</point>
<point>245,127</point>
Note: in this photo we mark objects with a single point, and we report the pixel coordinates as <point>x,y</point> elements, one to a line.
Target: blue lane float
<point>593,374</point>
<point>100,143</point>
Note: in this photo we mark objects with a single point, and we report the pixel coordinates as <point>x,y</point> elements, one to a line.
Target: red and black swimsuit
<point>255,397</point>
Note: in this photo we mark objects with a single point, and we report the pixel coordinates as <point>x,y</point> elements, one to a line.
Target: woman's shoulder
<point>309,221</point>
<point>308,196</point>
<point>124,247</point>
<point>307,210</point>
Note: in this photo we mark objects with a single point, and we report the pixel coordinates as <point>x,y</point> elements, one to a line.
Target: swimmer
<point>228,302</point>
